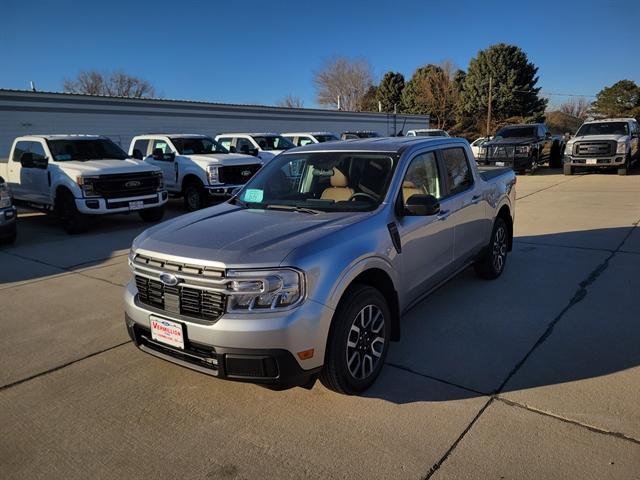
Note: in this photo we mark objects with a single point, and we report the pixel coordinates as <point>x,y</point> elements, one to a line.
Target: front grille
<point>181,300</point>
<point>127,185</point>
<point>237,174</point>
<point>594,149</point>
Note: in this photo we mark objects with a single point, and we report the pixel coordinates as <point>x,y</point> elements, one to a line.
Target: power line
<point>542,92</point>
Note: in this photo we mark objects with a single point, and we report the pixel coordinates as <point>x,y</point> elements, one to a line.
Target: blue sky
<point>258,52</point>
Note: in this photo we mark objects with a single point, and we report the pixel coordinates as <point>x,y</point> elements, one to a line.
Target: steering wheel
<point>370,197</point>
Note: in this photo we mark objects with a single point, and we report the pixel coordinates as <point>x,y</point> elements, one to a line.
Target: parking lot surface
<point>534,375</point>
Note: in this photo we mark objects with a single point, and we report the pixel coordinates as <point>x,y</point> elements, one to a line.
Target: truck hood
<point>239,237</point>
<point>105,167</point>
<point>510,141</point>
<point>595,138</point>
<point>224,159</point>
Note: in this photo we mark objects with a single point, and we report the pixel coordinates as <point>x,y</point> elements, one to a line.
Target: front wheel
<point>624,169</point>
<point>195,196</point>
<point>152,214</point>
<point>73,222</point>
<point>358,341</point>
<point>567,169</point>
<point>491,264</point>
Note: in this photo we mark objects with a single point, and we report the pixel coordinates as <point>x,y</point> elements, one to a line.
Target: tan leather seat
<point>339,190</point>
<point>408,189</point>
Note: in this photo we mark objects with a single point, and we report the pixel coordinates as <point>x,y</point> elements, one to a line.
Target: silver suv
<point>606,143</point>
<point>307,270</point>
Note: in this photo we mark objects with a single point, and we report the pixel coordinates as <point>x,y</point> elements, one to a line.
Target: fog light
<point>93,204</point>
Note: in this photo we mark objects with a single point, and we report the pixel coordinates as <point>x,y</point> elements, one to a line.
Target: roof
<point>603,120</point>
<point>426,130</point>
<point>174,135</point>
<point>67,137</point>
<point>251,134</point>
<point>378,144</point>
<point>307,133</point>
<point>522,125</point>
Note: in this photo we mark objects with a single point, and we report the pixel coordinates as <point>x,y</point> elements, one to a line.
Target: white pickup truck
<point>195,167</point>
<point>81,177</point>
<point>265,146</point>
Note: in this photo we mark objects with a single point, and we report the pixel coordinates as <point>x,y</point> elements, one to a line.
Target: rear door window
<point>457,172</point>
<point>141,146</point>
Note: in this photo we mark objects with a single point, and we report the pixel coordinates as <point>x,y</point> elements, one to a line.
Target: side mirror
<point>40,162</point>
<point>158,154</point>
<point>253,151</point>
<point>137,154</point>
<point>422,205</point>
<point>26,160</point>
<point>232,149</point>
<point>547,135</point>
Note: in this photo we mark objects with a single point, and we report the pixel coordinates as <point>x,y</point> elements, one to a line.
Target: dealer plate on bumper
<point>137,205</point>
<point>167,332</point>
<point>592,161</point>
<point>499,164</point>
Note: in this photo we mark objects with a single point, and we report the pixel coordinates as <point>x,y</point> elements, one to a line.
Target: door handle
<point>443,215</point>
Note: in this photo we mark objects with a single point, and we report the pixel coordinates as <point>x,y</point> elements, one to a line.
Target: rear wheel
<point>151,214</point>
<point>358,341</point>
<point>195,196</point>
<point>73,222</point>
<point>493,260</point>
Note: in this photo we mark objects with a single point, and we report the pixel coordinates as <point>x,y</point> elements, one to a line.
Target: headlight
<point>622,147</point>
<point>160,181</point>
<point>264,290</point>
<point>568,148</point>
<point>482,151</point>
<point>5,196</point>
<point>213,174</point>
<point>523,149</point>
<point>86,185</point>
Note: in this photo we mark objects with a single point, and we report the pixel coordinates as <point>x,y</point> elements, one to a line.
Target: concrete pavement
<point>535,375</point>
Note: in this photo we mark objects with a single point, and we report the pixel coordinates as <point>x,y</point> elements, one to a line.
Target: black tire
<point>624,169</point>
<point>567,169</point>
<point>9,239</point>
<point>73,222</point>
<point>152,214</point>
<point>195,196</point>
<point>555,159</point>
<point>351,336</point>
<point>492,262</point>
<point>534,166</point>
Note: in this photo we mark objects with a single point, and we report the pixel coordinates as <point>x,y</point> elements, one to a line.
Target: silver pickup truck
<point>306,272</point>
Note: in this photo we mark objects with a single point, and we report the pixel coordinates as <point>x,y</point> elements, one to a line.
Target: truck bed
<point>488,172</point>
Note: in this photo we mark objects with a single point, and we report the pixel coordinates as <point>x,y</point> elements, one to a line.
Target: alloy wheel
<point>499,250</point>
<point>366,342</point>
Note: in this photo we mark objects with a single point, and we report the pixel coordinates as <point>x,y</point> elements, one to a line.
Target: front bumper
<point>8,218</point>
<point>599,162</point>
<point>257,348</point>
<point>106,206</point>
<point>516,163</point>
<point>221,190</point>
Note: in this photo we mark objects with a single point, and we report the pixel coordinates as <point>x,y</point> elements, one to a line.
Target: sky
<point>258,52</point>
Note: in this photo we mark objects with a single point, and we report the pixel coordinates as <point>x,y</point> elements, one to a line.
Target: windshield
<point>602,128</point>
<point>516,132</point>
<point>197,146</point>
<point>326,138</point>
<point>431,133</point>
<point>324,181</point>
<point>273,142</point>
<point>90,149</point>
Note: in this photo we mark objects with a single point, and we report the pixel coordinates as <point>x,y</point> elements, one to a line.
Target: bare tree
<point>291,101</point>
<point>116,84</point>
<point>577,107</point>
<point>344,78</point>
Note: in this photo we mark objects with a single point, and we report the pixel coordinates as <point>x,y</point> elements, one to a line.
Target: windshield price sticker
<point>253,195</point>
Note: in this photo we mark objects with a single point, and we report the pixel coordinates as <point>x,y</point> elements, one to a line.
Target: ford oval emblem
<point>169,279</point>
<point>245,173</point>
<point>132,184</point>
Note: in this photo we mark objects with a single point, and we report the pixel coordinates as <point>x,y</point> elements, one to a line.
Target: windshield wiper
<point>293,208</point>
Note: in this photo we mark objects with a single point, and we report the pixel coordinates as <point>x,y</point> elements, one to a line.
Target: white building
<point>26,112</point>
